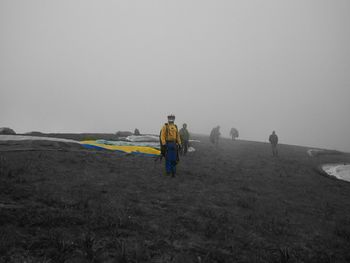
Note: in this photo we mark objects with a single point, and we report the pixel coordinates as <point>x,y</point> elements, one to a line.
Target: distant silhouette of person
<point>137,132</point>
<point>215,135</point>
<point>185,137</point>
<point>274,141</point>
<point>234,133</point>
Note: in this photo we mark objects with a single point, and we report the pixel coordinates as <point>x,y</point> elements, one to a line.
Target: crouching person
<point>171,142</point>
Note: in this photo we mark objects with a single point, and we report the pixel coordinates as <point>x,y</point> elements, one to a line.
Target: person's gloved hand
<point>162,150</point>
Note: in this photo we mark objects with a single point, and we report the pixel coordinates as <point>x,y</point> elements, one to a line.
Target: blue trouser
<point>171,157</point>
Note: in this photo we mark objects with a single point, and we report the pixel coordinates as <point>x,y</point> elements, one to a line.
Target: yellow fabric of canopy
<point>127,149</point>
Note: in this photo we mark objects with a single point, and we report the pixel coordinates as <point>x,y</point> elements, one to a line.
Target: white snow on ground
<point>33,138</point>
<point>143,138</point>
<point>313,152</point>
<point>340,171</point>
<point>191,149</point>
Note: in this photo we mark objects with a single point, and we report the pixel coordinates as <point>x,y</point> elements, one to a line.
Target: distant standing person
<point>185,137</point>
<point>214,135</point>
<point>234,133</point>
<point>274,141</point>
<point>170,142</point>
<point>136,132</point>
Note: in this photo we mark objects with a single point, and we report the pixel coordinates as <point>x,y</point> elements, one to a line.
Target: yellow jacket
<point>169,133</point>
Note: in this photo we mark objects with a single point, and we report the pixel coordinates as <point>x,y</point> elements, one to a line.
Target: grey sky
<point>103,66</point>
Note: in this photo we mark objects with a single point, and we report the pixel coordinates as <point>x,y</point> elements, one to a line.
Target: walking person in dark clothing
<point>215,135</point>
<point>274,141</point>
<point>137,132</point>
<point>234,133</point>
<point>185,137</point>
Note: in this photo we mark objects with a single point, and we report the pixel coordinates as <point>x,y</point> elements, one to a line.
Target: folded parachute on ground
<point>134,149</point>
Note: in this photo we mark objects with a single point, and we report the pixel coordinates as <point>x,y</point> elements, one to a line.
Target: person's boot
<point>166,173</point>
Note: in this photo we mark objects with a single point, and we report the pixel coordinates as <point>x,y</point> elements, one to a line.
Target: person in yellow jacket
<point>170,142</point>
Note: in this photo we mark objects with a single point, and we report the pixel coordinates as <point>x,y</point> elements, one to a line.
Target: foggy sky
<point>104,66</point>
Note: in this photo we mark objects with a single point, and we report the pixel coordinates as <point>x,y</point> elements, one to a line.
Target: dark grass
<point>235,203</point>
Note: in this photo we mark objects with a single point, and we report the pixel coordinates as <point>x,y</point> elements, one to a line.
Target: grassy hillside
<point>234,203</point>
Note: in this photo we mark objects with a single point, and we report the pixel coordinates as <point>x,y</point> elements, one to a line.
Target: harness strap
<point>166,132</point>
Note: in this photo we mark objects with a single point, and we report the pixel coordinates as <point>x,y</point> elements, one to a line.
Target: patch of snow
<point>191,149</point>
<point>314,152</point>
<point>340,171</point>
<point>33,138</point>
<point>143,138</point>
